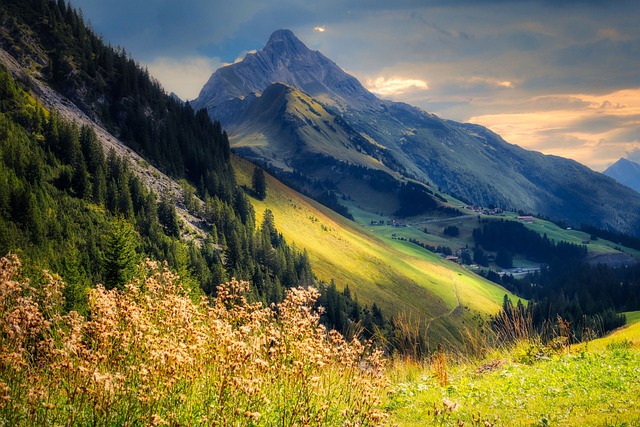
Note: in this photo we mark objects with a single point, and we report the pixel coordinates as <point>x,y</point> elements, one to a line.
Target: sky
<point>557,76</point>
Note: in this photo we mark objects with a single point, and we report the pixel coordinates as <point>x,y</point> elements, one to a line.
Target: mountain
<point>100,169</point>
<point>625,172</point>
<point>284,59</point>
<point>396,139</point>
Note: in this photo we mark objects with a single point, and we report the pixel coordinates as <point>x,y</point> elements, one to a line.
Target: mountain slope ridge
<point>153,178</point>
<point>390,275</point>
<point>465,160</point>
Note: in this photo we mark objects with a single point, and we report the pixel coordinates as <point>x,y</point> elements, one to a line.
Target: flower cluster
<point>150,354</point>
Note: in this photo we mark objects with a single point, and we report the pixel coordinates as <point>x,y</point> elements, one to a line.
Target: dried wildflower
<point>146,348</point>
<point>449,405</point>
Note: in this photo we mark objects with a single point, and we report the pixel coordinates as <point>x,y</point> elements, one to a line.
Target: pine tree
<point>168,217</point>
<point>120,255</point>
<point>259,183</point>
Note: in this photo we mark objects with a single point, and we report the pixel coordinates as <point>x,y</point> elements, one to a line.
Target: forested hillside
<point>73,208</point>
<point>66,197</point>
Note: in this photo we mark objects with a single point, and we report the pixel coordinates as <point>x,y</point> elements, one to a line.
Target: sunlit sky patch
<point>394,86</point>
<point>558,77</point>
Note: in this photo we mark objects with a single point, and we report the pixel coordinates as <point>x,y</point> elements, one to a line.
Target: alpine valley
<point>288,249</point>
<point>295,111</point>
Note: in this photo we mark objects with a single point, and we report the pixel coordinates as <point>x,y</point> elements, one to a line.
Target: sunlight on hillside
<point>394,275</point>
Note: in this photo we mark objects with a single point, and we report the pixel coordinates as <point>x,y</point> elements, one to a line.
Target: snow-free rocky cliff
<point>284,59</point>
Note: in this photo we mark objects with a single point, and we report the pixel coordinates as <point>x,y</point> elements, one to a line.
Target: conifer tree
<point>120,256</point>
<point>168,217</point>
<point>259,183</point>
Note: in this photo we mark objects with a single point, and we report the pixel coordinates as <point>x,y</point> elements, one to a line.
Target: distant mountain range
<point>296,111</point>
<point>625,172</point>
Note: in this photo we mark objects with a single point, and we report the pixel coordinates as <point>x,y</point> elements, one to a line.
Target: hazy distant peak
<point>625,172</point>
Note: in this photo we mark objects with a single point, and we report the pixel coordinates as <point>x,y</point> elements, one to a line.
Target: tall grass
<point>150,355</point>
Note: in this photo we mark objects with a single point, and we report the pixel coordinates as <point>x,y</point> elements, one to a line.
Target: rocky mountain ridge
<point>465,160</point>
<point>284,59</point>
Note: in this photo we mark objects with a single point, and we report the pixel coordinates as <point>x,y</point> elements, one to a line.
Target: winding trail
<point>450,312</point>
<point>455,218</point>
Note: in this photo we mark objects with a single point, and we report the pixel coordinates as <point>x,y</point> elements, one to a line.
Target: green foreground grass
<point>149,354</point>
<point>591,384</point>
<point>630,333</point>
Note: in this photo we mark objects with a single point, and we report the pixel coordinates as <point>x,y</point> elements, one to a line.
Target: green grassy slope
<point>586,388</point>
<point>592,384</point>
<point>284,122</point>
<point>630,332</point>
<point>468,221</point>
<point>396,275</point>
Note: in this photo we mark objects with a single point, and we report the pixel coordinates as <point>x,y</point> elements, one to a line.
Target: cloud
<point>241,57</point>
<point>592,129</point>
<point>184,76</point>
<point>319,29</point>
<point>476,80</point>
<point>392,86</point>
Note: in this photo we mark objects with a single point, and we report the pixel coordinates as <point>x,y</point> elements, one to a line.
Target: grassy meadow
<point>469,220</point>
<point>150,354</point>
<point>527,384</point>
<point>390,273</point>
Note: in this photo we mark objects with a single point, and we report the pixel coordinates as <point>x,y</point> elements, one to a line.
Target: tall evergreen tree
<point>259,183</point>
<point>120,257</point>
<point>168,217</point>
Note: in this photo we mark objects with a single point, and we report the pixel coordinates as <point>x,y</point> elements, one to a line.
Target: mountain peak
<point>285,44</point>
<point>626,172</point>
<point>284,40</point>
<point>285,59</point>
<point>624,161</point>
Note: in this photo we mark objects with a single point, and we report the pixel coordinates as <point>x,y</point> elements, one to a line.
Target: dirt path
<point>450,312</point>
<point>455,218</point>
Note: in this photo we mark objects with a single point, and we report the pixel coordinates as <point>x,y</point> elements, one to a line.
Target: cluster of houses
<point>459,255</point>
<point>484,211</point>
<point>391,222</point>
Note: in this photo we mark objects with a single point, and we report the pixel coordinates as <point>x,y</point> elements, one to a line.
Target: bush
<point>452,231</point>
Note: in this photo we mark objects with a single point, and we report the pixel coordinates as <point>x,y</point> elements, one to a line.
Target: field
<point>429,230</point>
<point>590,384</point>
<point>528,384</point>
<point>390,273</point>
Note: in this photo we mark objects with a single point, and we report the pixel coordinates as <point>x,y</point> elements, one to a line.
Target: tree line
<point>588,297</point>
<point>517,238</point>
